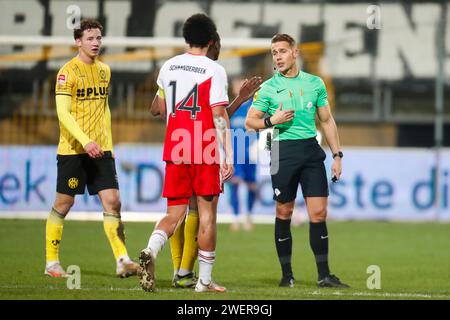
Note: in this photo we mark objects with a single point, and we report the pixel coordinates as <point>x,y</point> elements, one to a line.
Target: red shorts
<point>185,180</point>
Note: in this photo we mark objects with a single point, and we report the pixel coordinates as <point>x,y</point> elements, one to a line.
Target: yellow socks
<point>114,230</point>
<point>176,247</point>
<point>190,248</point>
<point>112,224</point>
<point>183,244</point>
<point>53,235</point>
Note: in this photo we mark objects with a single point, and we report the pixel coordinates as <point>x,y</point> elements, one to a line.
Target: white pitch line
<point>385,294</point>
<point>324,293</point>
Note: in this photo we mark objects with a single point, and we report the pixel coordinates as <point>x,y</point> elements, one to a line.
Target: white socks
<point>123,259</point>
<point>50,264</point>
<point>156,242</point>
<point>183,272</point>
<point>205,264</point>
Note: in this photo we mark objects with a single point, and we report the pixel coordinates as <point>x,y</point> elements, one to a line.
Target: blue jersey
<point>241,138</point>
<point>238,118</point>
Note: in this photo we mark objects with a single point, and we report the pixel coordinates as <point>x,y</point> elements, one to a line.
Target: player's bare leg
<point>207,207</point>
<point>63,203</point>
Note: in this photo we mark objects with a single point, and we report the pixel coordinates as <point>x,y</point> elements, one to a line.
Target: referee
<point>292,98</point>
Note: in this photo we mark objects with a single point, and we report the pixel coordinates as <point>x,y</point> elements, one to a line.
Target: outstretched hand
<point>249,87</point>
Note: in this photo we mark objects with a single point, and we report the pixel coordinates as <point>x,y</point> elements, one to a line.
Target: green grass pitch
<point>414,259</point>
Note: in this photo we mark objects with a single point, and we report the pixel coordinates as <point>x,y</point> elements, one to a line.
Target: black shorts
<point>300,161</point>
<point>78,170</point>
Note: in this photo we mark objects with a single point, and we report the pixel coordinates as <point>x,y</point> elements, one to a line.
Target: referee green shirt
<point>303,93</point>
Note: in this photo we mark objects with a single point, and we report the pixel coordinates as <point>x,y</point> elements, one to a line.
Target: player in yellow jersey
<point>85,148</point>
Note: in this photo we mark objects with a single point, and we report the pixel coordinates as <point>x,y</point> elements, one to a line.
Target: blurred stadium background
<point>389,89</point>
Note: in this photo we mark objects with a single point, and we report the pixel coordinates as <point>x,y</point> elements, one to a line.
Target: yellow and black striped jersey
<point>87,85</point>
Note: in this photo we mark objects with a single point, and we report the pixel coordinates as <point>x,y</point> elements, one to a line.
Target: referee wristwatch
<point>338,154</point>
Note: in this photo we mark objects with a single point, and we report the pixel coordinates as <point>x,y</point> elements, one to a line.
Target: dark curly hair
<point>86,24</point>
<point>199,30</point>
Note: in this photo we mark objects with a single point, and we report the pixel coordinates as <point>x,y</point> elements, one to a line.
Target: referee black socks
<point>283,243</point>
<point>318,239</point>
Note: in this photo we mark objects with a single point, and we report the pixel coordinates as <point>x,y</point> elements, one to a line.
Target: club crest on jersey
<point>62,79</point>
<point>309,105</point>
<point>102,74</point>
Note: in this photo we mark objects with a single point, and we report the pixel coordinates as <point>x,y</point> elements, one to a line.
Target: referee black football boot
<point>287,282</point>
<point>331,281</point>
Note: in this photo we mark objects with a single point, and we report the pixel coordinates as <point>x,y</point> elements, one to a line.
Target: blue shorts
<point>246,172</point>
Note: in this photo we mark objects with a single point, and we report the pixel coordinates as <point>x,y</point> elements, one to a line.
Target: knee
<point>206,224</point>
<point>171,225</point>
<point>63,206</point>
<point>318,214</point>
<point>112,204</point>
<point>116,205</point>
<point>284,213</point>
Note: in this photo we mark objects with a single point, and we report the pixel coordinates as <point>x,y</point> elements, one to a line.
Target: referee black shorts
<point>77,171</point>
<point>298,161</point>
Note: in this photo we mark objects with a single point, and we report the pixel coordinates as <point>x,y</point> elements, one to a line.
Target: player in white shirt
<point>193,91</point>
